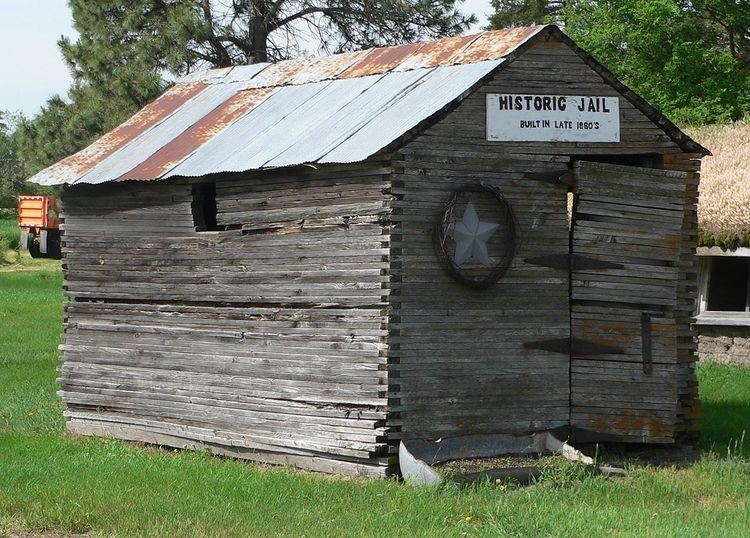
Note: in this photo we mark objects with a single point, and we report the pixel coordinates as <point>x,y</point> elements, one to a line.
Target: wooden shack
<point>310,261</point>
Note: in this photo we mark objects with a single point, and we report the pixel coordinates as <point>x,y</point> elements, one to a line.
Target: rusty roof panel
<point>496,44</point>
<point>315,113</point>
<point>278,74</point>
<point>381,60</point>
<point>301,133</point>
<point>327,67</point>
<point>349,112</point>
<point>436,53</point>
<point>219,153</point>
<point>243,73</point>
<point>209,76</point>
<point>198,134</point>
<point>149,142</point>
<point>71,168</point>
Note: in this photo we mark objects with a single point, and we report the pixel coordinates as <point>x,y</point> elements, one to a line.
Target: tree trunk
<point>260,41</point>
<point>260,31</point>
<point>732,43</point>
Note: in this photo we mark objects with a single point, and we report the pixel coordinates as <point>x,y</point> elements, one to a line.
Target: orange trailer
<point>40,226</point>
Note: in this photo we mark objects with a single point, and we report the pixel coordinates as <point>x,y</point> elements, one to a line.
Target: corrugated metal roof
<point>340,108</point>
<point>119,163</point>
<point>73,167</point>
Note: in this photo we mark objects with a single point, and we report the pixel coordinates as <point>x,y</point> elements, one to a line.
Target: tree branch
<point>222,54</point>
<point>327,11</point>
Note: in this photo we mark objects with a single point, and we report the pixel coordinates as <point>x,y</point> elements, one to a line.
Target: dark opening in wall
<point>728,285</point>
<point>204,207</point>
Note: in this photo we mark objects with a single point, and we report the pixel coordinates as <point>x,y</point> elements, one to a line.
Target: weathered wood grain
<point>267,341</point>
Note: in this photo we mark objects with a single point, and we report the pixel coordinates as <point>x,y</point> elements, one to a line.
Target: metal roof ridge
<point>201,76</point>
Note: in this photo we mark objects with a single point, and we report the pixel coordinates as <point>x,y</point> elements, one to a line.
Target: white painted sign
<point>552,118</point>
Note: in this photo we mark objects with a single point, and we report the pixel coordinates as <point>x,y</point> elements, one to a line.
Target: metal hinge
<point>560,177</point>
<point>574,262</point>
<point>572,346</point>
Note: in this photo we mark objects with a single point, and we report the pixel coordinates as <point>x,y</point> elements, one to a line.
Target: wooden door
<point>633,218</point>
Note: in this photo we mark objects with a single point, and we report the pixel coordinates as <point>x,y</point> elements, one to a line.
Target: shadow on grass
<point>725,401</point>
<point>725,426</point>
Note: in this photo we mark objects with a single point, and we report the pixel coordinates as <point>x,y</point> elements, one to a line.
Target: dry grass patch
<point>724,204</point>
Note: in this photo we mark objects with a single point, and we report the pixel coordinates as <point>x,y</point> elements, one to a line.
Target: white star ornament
<point>471,236</point>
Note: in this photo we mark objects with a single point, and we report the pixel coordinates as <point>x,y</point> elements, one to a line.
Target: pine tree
<point>117,64</point>
<point>11,167</point>
<point>251,31</point>
<point>510,13</point>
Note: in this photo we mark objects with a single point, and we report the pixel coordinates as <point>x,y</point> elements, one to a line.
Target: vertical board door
<point>625,386</point>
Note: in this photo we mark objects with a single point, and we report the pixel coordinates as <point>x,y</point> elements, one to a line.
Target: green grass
<point>9,234</point>
<point>11,258</point>
<point>51,483</point>
<point>30,326</point>
<point>725,398</point>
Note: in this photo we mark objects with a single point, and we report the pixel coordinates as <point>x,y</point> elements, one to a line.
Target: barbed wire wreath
<point>477,253</point>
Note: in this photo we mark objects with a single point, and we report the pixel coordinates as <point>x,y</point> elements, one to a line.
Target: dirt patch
<point>479,465</point>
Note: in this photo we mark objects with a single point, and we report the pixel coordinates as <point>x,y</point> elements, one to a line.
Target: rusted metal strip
<point>574,262</point>
<point>646,348</point>
<point>585,435</point>
<point>556,261</point>
<point>74,167</point>
<point>203,130</point>
<point>580,263</point>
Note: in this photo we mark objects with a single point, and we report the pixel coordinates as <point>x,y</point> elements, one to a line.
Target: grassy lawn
<point>13,260</point>
<point>9,234</point>
<point>50,483</point>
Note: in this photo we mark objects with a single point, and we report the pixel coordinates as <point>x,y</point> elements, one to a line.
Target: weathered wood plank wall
<point>265,341</point>
<point>458,353</point>
<point>688,409</point>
